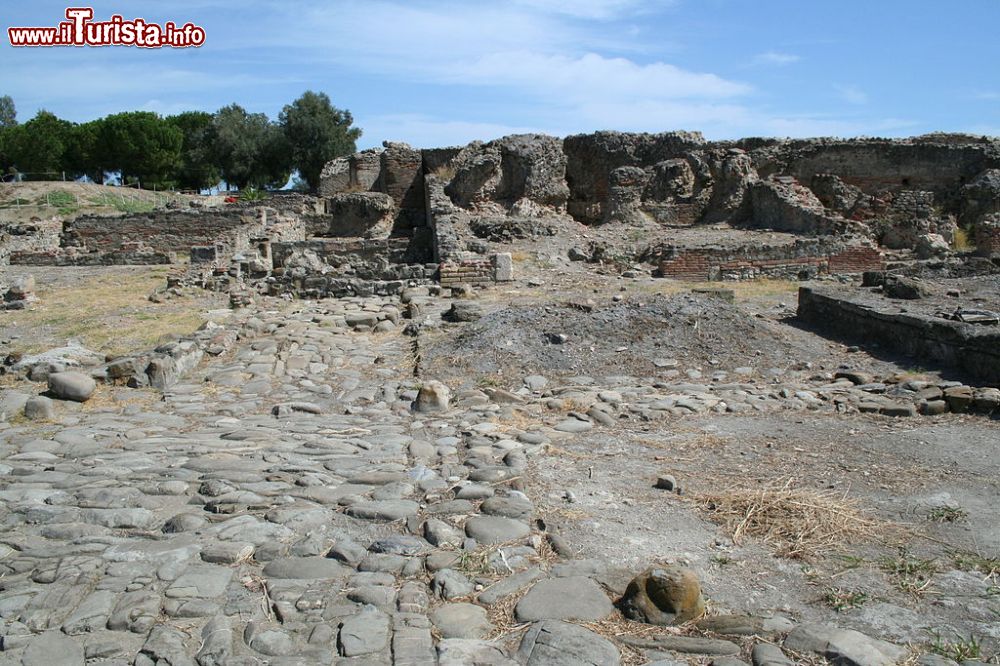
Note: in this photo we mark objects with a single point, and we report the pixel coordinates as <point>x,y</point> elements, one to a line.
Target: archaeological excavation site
<point>608,399</point>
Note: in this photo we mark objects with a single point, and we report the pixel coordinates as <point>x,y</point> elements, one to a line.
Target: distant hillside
<point>23,202</point>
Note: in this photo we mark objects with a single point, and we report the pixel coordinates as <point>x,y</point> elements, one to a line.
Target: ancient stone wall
<point>801,260</point>
<point>591,158</point>
<point>361,214</point>
<point>163,231</point>
<point>328,267</point>
<point>874,165</point>
<point>443,219</point>
<point>987,236</point>
<point>782,204</point>
<point>974,349</point>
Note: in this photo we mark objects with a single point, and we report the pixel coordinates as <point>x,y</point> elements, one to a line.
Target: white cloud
<point>588,9</point>
<point>590,76</point>
<point>423,131</point>
<point>774,58</point>
<point>852,94</point>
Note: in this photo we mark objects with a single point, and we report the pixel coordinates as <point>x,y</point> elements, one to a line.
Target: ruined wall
<point>591,158</point>
<point>987,235</point>
<point>361,214</point>
<point>402,178</point>
<point>354,173</point>
<point>320,268</point>
<point>162,231</point>
<point>803,259</point>
<point>873,164</point>
<point>974,349</point>
<point>782,204</point>
<point>522,174</point>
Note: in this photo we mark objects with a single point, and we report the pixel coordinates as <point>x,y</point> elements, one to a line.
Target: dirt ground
<point>106,309</point>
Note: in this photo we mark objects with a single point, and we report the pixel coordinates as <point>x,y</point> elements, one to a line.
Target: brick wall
<point>796,261</point>
<point>857,259</point>
<point>475,272</point>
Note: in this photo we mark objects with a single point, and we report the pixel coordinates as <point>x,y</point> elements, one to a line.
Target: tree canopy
<point>251,150</point>
<point>8,112</point>
<point>190,150</point>
<point>317,132</point>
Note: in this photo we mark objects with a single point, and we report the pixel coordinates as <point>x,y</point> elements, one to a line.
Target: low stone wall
<point>971,348</point>
<point>800,260</point>
<point>333,268</point>
<point>473,272</point>
<point>364,257</point>
<point>163,231</point>
<point>73,257</point>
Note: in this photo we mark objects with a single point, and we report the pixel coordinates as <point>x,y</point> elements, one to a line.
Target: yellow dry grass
<point>797,523</point>
<point>108,313</point>
<point>743,290</point>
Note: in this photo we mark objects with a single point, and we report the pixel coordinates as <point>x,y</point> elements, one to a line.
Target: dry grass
<point>962,241</point>
<point>616,626</point>
<point>797,523</point>
<point>108,313</point>
<point>445,172</point>
<point>744,290</point>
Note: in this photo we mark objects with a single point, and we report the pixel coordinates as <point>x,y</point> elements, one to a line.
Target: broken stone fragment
<point>664,596</point>
<point>433,397</point>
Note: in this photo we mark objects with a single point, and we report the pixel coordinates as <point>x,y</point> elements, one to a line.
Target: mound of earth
<point>648,338</point>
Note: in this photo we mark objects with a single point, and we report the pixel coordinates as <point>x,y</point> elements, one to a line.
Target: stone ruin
<point>694,209</point>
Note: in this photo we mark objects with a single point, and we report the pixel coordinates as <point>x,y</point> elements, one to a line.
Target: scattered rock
<point>843,646</point>
<point>70,385</point>
<point>664,596</point>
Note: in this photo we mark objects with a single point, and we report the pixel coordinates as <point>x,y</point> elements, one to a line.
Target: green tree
<point>249,149</point>
<point>81,157</point>
<point>198,168</point>
<point>317,132</point>
<point>38,147</point>
<point>8,112</point>
<point>139,144</point>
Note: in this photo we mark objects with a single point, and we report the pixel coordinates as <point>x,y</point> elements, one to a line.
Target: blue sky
<point>435,73</point>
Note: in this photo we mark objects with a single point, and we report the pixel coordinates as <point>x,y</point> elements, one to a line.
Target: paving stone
<point>164,645</point>
<point>383,510</point>
<point>216,642</point>
<point>507,586</point>
<point>91,615</point>
<point>509,507</point>
<point>845,646</point>
<point>461,620</point>
<point>312,568</point>
<point>463,651</point>
<point>554,643</point>
<point>449,584</point>
<point>364,633</point>
<point>201,581</point>
<point>40,408</point>
<point>496,529</point>
<point>766,654</point>
<point>570,598</point>
<point>53,648</point>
